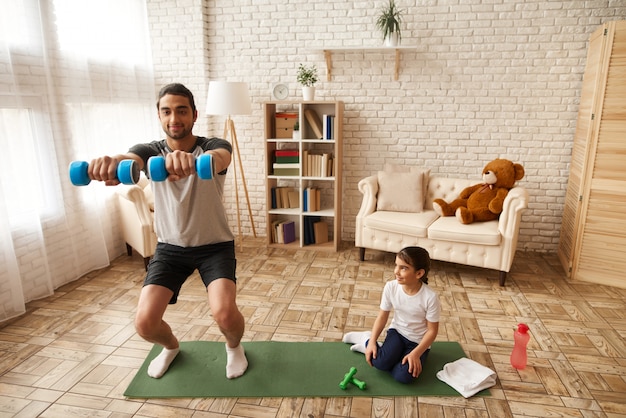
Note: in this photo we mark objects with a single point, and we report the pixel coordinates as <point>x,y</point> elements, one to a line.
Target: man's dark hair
<point>178,90</point>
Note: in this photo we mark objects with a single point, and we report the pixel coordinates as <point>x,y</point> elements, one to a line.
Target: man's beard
<point>180,135</point>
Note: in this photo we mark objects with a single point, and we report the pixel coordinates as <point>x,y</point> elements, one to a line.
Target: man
<point>192,230</point>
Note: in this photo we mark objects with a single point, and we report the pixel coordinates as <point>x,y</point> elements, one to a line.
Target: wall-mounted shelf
<point>328,52</point>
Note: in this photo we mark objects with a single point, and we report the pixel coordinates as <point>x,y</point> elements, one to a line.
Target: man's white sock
<point>236,361</point>
<point>161,363</point>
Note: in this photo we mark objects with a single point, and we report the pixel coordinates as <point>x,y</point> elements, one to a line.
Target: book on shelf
<point>320,232</point>
<point>309,230</point>
<point>289,232</point>
<point>283,232</point>
<point>286,153</point>
<point>311,197</point>
<point>314,122</point>
<point>286,165</point>
<point>317,164</point>
<point>286,169</point>
<point>274,231</point>
<point>287,156</point>
<point>287,160</point>
<point>284,197</point>
<point>328,123</point>
<point>294,199</point>
<point>287,172</point>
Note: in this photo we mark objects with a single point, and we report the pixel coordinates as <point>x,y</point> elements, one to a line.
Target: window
<point>85,28</point>
<point>26,183</point>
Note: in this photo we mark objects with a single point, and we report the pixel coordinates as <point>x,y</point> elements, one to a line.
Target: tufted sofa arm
<point>137,218</point>
<point>509,222</point>
<point>369,188</point>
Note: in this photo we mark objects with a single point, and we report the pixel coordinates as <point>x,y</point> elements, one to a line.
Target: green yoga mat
<point>286,369</point>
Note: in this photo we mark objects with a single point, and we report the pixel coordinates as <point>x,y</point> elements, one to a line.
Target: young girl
<point>415,323</point>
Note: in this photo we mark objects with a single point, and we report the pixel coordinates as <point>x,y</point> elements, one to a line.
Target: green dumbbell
<point>158,172</point>
<point>127,172</point>
<point>349,378</point>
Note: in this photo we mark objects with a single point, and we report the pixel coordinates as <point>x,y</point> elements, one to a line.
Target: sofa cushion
<point>400,192</point>
<point>448,228</point>
<point>397,168</point>
<point>406,223</point>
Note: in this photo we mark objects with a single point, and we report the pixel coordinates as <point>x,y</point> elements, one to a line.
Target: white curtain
<point>75,83</point>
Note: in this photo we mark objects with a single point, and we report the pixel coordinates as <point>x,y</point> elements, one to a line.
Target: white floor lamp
<point>232,98</point>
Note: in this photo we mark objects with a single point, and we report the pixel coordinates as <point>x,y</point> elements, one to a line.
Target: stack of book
<point>285,197</point>
<point>286,163</point>
<point>315,230</point>
<point>311,199</point>
<point>283,232</point>
<point>318,164</point>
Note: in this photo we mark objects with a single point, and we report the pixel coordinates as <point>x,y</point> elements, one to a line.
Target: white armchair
<point>137,218</point>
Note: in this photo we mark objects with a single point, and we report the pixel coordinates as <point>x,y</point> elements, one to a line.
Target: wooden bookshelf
<point>315,176</point>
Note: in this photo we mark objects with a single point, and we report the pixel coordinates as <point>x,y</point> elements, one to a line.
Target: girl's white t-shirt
<point>410,312</point>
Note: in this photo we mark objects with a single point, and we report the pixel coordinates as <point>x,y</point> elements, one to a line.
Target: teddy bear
<point>483,202</point>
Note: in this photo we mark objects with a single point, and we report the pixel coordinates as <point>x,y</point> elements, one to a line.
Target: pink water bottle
<point>519,357</point>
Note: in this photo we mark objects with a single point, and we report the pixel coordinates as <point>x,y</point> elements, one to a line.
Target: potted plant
<point>389,23</point>
<point>307,77</point>
<point>296,130</point>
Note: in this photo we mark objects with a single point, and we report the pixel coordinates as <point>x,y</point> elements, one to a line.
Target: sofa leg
<point>502,277</point>
<point>129,250</point>
<point>362,254</point>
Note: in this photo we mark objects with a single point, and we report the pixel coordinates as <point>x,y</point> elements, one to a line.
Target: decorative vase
<point>392,40</point>
<point>308,93</point>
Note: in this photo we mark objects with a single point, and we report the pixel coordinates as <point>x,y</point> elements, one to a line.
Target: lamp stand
<point>229,128</point>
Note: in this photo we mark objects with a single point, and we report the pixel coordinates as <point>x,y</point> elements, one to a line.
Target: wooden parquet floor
<point>73,354</point>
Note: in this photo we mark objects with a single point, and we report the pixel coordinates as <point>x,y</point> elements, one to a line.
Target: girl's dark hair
<point>418,258</point>
<point>178,90</point>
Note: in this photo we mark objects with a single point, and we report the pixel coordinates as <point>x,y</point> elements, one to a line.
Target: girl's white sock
<point>161,363</point>
<point>359,348</point>
<point>357,337</point>
<point>236,361</point>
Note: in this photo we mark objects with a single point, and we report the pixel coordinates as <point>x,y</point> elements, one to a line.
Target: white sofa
<point>137,218</point>
<point>390,228</point>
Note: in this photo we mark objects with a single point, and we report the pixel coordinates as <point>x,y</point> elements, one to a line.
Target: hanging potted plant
<point>389,23</point>
<point>307,77</point>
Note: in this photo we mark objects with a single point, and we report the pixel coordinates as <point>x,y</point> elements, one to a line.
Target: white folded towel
<point>467,376</point>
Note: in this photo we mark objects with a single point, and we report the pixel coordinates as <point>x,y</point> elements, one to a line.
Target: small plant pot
<point>392,40</point>
<point>308,93</point>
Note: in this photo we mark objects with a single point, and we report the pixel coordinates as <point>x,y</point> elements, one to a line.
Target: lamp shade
<point>228,98</point>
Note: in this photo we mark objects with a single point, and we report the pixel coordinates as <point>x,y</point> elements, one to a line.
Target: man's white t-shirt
<point>189,212</point>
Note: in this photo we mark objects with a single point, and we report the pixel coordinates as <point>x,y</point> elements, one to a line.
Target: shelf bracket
<point>329,64</point>
<point>397,70</point>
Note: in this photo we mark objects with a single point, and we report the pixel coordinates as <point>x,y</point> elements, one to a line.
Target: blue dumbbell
<point>157,171</point>
<point>127,172</point>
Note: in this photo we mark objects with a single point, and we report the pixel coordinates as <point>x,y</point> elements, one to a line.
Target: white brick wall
<point>485,80</point>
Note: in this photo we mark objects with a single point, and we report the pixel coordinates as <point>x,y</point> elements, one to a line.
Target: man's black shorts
<point>171,265</point>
